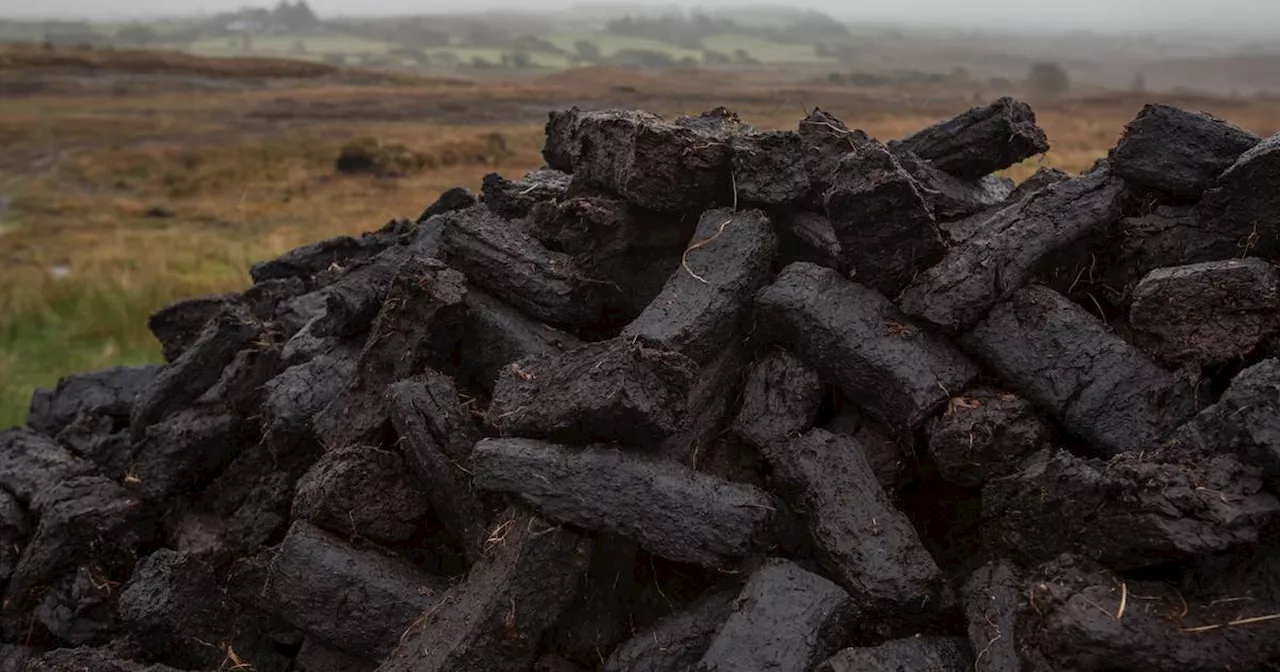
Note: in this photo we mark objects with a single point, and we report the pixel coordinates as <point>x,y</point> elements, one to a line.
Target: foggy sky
<point>1216,16</point>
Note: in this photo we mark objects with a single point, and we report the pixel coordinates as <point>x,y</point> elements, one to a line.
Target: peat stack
<point>698,396</point>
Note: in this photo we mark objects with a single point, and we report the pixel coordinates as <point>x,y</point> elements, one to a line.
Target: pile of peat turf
<point>696,396</point>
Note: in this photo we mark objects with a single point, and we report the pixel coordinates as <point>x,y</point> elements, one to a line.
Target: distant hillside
<point>1243,75</point>
<point>775,43</point>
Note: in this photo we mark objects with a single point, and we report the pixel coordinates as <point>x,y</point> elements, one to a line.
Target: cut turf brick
<point>992,597</point>
<point>985,434</point>
<point>178,325</point>
<point>672,511</point>
<point>108,393</point>
<point>1178,152</point>
<point>992,264</point>
<point>182,381</point>
<point>856,339</point>
<point>499,257</point>
<point>598,618</point>
<point>1244,202</point>
<point>596,226</point>
<point>892,458</point>
<point>419,325</point>
<point>323,256</point>
<point>1129,512</point>
<point>785,619</point>
<point>241,389</point>
<point>361,601</point>
<point>453,199</point>
<point>495,335</point>
<point>1044,177</point>
<point>709,406</point>
<point>980,141</point>
<point>1112,265</point>
<point>1074,614</point>
<point>628,252</point>
<point>80,659</point>
<point>885,224</point>
<point>365,490</point>
<point>251,499</point>
<point>175,606</point>
<point>677,642</point>
<point>31,462</point>
<point>826,141</point>
<point>769,167</point>
<point>184,452</point>
<point>74,609</point>
<point>656,164</point>
<point>780,400</point>
<point>704,302</point>
<point>951,197</point>
<point>264,299</point>
<point>93,437</point>
<point>1245,421</point>
<point>626,390</point>
<point>352,298</point>
<point>1207,313</point>
<point>1074,368</point>
<point>864,543</point>
<point>493,621</point>
<point>512,199</point>
<point>436,437</point>
<point>74,515</point>
<point>293,398</point>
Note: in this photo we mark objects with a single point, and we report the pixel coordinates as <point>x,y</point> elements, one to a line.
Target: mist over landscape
<point>1145,16</point>
<point>1225,48</point>
<point>565,336</point>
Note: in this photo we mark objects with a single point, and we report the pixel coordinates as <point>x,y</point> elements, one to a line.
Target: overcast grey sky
<point>1256,16</point>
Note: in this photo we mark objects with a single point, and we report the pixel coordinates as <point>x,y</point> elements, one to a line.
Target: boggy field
<point>132,181</point>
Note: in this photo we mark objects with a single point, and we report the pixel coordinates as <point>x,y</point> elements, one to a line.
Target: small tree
<point>519,59</point>
<point>587,50</point>
<point>712,57</point>
<point>1048,80</point>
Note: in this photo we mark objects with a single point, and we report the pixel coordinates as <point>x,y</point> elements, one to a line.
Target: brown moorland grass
<point>26,56</point>
<point>247,174</point>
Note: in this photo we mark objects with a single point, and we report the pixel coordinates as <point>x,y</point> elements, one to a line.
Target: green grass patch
<point>762,50</point>
<point>465,55</point>
<point>284,45</point>
<point>20,32</point>
<point>96,317</point>
<point>612,44</point>
<point>172,26</point>
<point>550,61</point>
<point>79,327</point>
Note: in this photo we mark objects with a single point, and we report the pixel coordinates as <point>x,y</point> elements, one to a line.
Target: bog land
<point>134,178</point>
